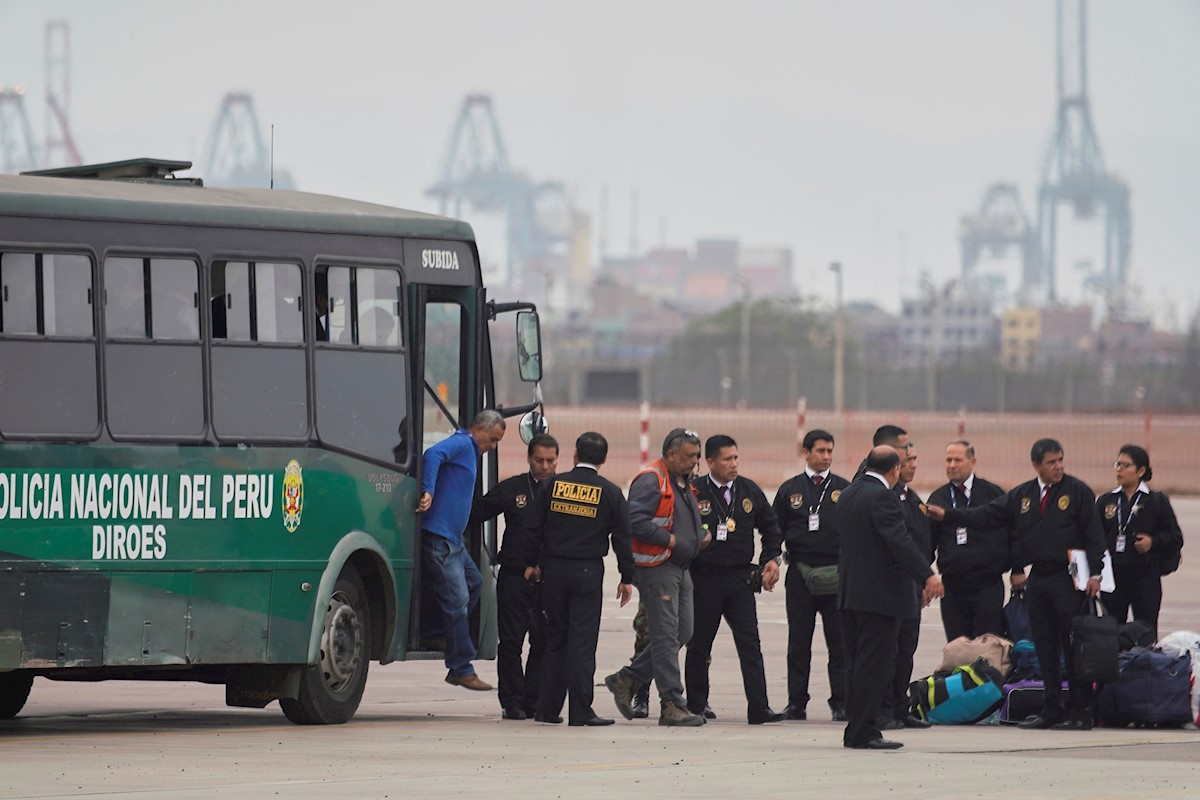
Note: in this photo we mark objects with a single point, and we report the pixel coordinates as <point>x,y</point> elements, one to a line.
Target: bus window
<point>378,308</point>
<point>258,393</point>
<point>336,280</point>
<point>170,284</point>
<point>361,390</point>
<point>125,298</point>
<point>44,299</point>
<point>257,302</point>
<point>155,343</point>
<point>443,368</point>
<point>18,283</point>
<point>68,295</point>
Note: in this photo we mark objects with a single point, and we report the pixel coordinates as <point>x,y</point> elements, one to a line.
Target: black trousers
<point>713,597</point>
<point>802,610</point>
<point>518,613</point>
<point>972,609</point>
<point>572,596</point>
<point>895,702</point>
<point>870,661</point>
<point>1139,586</point>
<point>1053,600</point>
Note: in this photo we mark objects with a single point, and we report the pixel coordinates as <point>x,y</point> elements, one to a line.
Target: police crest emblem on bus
<point>293,496</point>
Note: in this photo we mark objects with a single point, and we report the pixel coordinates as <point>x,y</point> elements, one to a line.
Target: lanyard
<point>954,495</point>
<point>1134,508</point>
<point>718,494</point>
<point>813,509</point>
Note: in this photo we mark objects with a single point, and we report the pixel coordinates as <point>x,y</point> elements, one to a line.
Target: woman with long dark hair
<point>1142,536</point>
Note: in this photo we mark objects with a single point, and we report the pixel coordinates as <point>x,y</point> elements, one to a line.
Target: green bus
<point>213,405</point>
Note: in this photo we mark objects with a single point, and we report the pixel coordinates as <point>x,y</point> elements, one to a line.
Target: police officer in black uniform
<point>725,580</point>
<point>1048,516</point>
<point>518,606</point>
<point>568,538</point>
<point>806,507</point>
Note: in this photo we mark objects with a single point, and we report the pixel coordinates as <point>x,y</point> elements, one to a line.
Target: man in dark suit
<point>895,711</point>
<point>567,541</point>
<point>971,561</point>
<point>1048,516</point>
<point>877,564</point>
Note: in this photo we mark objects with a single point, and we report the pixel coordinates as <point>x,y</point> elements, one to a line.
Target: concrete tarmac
<point>416,736</point>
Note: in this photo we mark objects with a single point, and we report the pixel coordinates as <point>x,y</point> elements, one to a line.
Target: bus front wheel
<point>331,689</point>
<point>14,691</point>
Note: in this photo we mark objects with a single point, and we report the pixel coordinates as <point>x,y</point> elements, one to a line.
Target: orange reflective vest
<point>648,554</point>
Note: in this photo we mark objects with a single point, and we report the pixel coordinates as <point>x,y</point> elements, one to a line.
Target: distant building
<point>1137,342</point>
<point>945,326</point>
<point>717,273</point>
<point>767,271</point>
<point>1037,337</point>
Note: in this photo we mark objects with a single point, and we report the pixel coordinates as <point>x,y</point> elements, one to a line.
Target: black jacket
<point>1154,517</point>
<point>985,555</point>
<point>749,510</point>
<point>514,497</point>
<point>917,522</point>
<point>1071,522</point>
<point>793,502</point>
<point>878,561</point>
<point>575,518</point>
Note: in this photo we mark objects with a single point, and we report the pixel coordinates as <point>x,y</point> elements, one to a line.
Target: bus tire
<point>14,691</point>
<point>331,689</point>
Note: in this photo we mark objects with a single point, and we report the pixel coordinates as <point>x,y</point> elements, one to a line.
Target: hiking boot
<point>672,714</point>
<point>623,689</point>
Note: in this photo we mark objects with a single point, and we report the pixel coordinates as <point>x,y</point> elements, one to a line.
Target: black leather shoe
<point>1072,725</point>
<point>594,722</point>
<point>550,720</point>
<point>913,721</point>
<point>765,716</point>
<point>640,710</point>
<point>794,712</point>
<point>839,713</point>
<point>708,713</point>
<point>877,744</point>
<point>1037,722</point>
<point>889,724</point>
<point>515,712</point>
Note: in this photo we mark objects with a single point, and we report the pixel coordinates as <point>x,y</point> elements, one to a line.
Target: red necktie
<point>818,480</point>
<point>726,495</point>
<point>1045,494</point>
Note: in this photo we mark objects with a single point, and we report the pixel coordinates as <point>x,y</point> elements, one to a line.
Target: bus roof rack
<point>134,169</point>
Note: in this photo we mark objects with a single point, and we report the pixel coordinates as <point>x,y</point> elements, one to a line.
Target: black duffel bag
<point>1094,645</point>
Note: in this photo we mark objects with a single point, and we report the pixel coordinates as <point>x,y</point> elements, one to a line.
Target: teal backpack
<point>966,695</point>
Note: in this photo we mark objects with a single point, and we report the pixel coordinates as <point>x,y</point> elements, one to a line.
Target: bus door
<point>445,334</point>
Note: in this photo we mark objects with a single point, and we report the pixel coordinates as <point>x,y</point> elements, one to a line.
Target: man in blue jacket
<point>448,487</point>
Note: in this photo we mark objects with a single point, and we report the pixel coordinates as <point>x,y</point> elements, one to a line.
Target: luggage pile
<point>990,679</point>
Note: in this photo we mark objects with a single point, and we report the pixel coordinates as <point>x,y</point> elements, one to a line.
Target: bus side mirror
<point>531,425</point>
<point>529,346</point>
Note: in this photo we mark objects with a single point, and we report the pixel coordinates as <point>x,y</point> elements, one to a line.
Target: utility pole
<point>839,351</point>
<point>744,344</point>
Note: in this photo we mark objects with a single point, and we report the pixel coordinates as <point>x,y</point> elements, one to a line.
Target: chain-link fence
<point>767,441</point>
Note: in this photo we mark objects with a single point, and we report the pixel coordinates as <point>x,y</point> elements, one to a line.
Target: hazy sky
<point>857,131</point>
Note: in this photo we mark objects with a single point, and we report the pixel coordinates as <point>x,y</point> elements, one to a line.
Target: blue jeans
<point>456,582</point>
